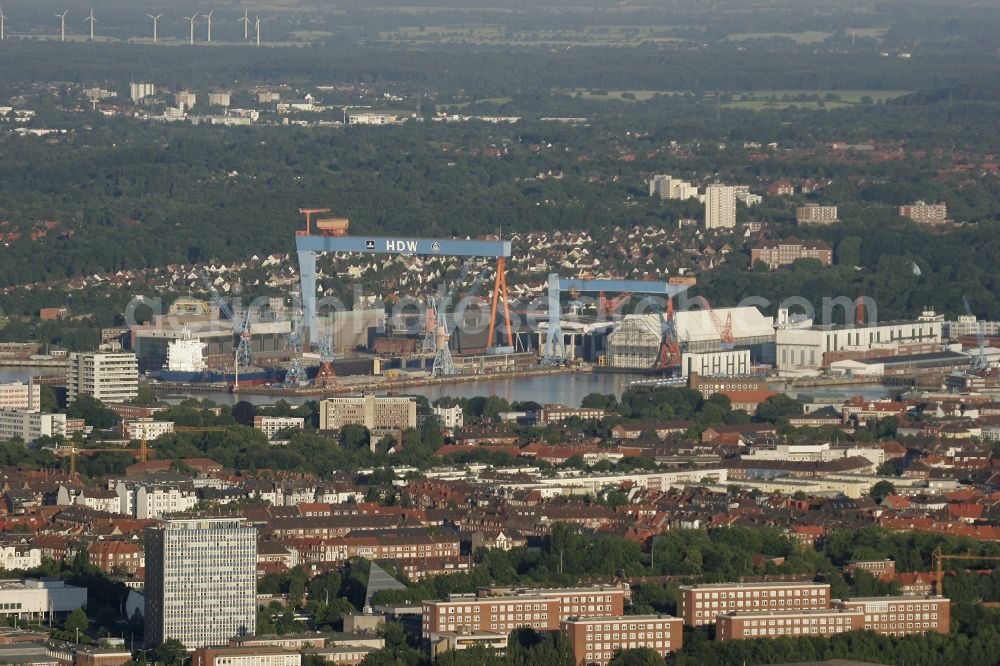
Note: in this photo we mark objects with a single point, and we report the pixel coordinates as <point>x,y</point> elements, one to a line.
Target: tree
<point>243,413</point>
<point>170,652</point>
<point>77,621</point>
<point>778,407</point>
<point>637,657</point>
<point>881,489</point>
<point>354,437</point>
<point>90,409</point>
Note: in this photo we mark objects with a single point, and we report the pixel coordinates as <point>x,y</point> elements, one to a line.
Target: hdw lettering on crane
<point>400,245</point>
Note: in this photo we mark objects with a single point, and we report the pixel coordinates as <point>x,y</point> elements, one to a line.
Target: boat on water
<point>186,365</point>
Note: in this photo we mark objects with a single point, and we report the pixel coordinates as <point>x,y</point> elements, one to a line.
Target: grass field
<point>776,100</point>
<point>494,35</point>
<point>806,37</point>
<point>616,95</point>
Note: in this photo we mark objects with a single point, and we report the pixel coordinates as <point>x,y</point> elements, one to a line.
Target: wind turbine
<point>156,20</point>
<point>192,19</point>
<point>209,17</point>
<point>2,24</point>
<point>62,25</point>
<point>257,25</point>
<point>246,24</point>
<point>92,21</point>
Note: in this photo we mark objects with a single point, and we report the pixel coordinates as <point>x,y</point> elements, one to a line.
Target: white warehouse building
<point>635,342</point>
<point>802,349</point>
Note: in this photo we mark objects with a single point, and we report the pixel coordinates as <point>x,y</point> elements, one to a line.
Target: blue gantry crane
<point>332,236</point>
<point>555,348</point>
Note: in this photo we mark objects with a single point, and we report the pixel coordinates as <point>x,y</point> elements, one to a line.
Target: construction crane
<point>326,376</point>
<point>296,375</point>
<point>75,451</point>
<point>940,557</point>
<point>979,363</point>
<point>670,346</point>
<point>243,354</point>
<point>725,330</point>
<point>609,307</point>
<point>434,306</point>
<point>444,365</point>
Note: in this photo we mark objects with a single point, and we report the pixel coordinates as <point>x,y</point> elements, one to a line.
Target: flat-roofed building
<point>272,425</point>
<point>898,616</point>
<point>815,214</point>
<point>735,626</point>
<point>925,213</point>
<point>505,609</point>
<point>596,640</point>
<point>29,425</point>
<point>439,642</point>
<point>256,655</point>
<point>146,428</point>
<point>109,377</point>
<point>700,604</point>
<point>374,412</point>
<point>31,598</point>
<point>201,581</point>
<point>19,395</point>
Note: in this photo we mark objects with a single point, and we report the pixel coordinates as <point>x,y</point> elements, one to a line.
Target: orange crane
<point>608,307</point>
<point>725,330</point>
<point>940,557</point>
<point>309,212</point>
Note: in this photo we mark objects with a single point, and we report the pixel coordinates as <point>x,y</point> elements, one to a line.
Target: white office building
<point>668,187</point>
<point>720,207</point>
<point>201,581</point>
<point>38,599</point>
<point>109,377</point>
<point>30,425</point>
<point>801,349</point>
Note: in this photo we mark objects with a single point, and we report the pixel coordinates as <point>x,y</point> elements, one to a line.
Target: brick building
<point>595,640</point>
<point>925,213</point>
<point>787,252</point>
<point>898,616</point>
<point>734,626</point>
<point>700,604</point>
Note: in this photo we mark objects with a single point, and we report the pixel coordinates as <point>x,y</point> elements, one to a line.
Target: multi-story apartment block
<point>371,411</point>
<point>506,609</point>
<point>116,556</point>
<point>201,581</point>
<point>154,500</point>
<point>925,213</point>
<point>18,395</point>
<point>787,252</point>
<point>16,556</point>
<point>449,417</point>
<point>109,377</point>
<point>29,425</point>
<point>382,546</point>
<point>146,428</point>
<point>720,207</point>
<point>700,604</point>
<point>667,187</point>
<point>595,640</point>
<point>738,625</point>
<point>815,214</point>
<point>898,616</point>
<point>140,91</point>
<point>272,425</point>
<point>881,569</point>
